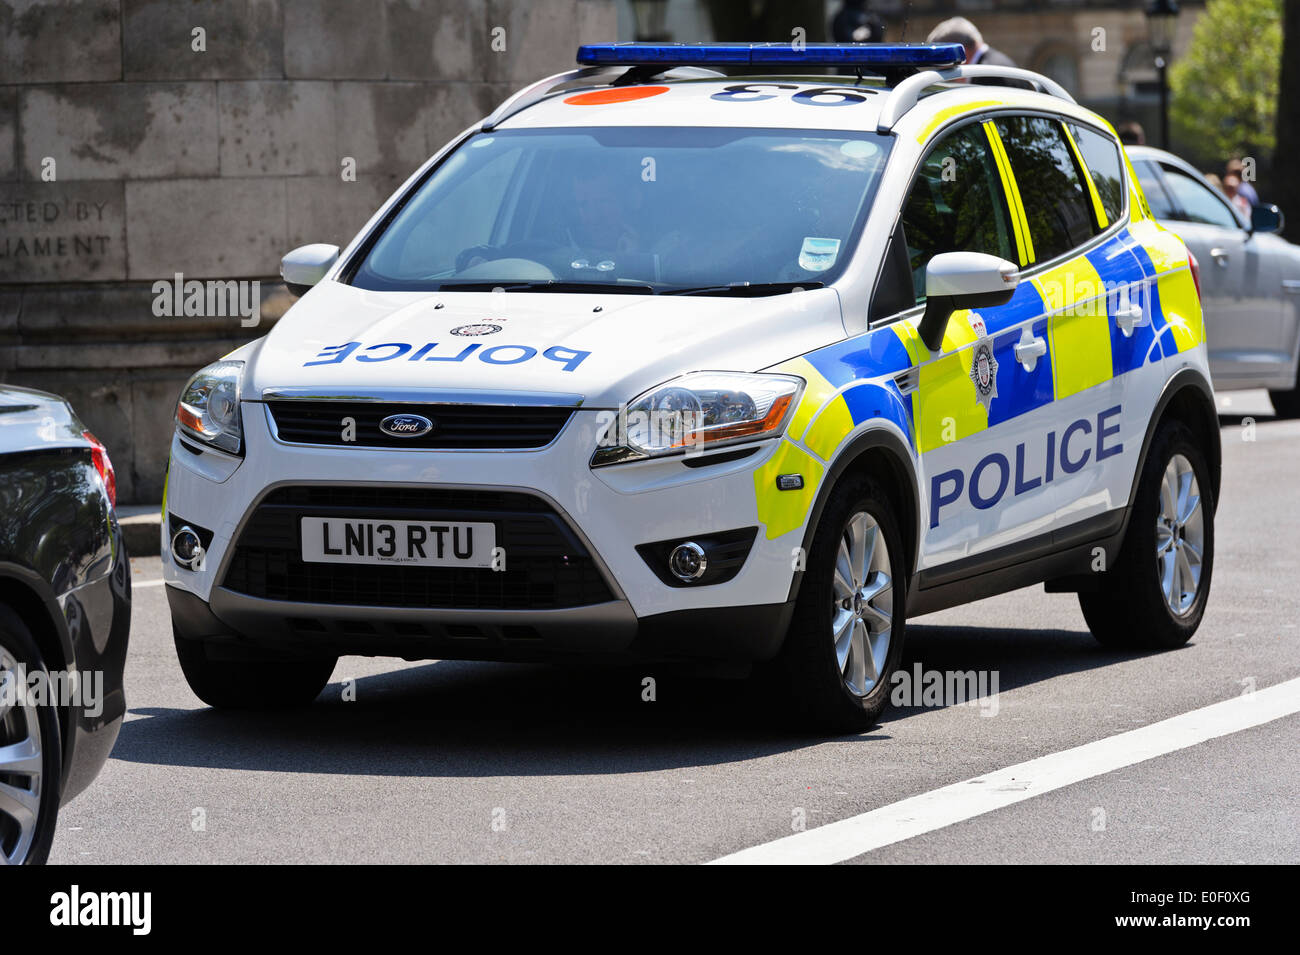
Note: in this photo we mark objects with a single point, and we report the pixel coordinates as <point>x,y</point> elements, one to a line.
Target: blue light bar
<point>772,54</point>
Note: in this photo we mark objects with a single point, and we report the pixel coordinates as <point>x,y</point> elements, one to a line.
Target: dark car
<point>65,612</point>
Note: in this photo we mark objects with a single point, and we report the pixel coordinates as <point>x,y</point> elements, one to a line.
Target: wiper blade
<point>743,289</point>
<point>546,285</point>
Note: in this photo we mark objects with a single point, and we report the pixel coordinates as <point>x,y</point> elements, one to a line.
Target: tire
<point>1144,603</point>
<point>827,682</point>
<point>260,682</point>
<point>31,770</point>
<point>1286,404</point>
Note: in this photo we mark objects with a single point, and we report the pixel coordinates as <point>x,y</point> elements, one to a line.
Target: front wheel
<point>846,636</point>
<point>1154,596</point>
<point>260,682</point>
<point>31,757</point>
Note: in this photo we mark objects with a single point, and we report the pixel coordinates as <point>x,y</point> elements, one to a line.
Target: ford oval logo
<point>406,425</point>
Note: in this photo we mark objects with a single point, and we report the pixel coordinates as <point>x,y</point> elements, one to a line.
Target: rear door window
<point>1101,155</point>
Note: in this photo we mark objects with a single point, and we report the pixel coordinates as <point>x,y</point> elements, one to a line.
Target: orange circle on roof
<point>622,95</point>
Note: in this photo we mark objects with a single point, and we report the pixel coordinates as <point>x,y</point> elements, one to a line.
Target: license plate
<point>423,543</point>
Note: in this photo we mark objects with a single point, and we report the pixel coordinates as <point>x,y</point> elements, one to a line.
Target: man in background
<point>960,30</point>
<point>856,24</point>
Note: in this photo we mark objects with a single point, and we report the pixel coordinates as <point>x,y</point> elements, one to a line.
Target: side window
<point>1197,202</point>
<point>1056,201</point>
<point>956,204</point>
<point>1162,207</point>
<point>1101,156</point>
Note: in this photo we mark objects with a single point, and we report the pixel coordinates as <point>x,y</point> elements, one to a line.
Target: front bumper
<point>606,512</point>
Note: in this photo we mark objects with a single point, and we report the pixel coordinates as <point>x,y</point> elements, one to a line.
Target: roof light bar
<point>773,54</point>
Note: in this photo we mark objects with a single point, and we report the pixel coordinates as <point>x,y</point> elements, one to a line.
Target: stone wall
<point>127,156</point>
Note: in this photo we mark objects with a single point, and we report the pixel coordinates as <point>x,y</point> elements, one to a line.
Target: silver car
<point>1250,277</point>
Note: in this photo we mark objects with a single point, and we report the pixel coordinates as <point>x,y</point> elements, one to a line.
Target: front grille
<point>547,566</point>
<point>455,427</point>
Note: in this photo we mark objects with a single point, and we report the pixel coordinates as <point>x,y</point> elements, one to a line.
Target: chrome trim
<point>274,430</point>
<point>468,396</point>
<point>247,516</point>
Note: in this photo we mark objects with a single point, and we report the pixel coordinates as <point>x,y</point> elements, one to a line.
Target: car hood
<point>602,348</point>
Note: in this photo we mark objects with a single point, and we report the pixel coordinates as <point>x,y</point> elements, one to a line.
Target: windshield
<point>651,209</point>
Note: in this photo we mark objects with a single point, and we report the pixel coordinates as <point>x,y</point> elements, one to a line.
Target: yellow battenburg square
<point>829,428</point>
<point>784,511</point>
<point>944,405</point>
<point>816,393</point>
<point>1079,329</point>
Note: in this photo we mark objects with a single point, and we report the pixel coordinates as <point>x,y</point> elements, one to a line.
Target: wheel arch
<point>886,457</point>
<point>1187,397</point>
<point>24,592</point>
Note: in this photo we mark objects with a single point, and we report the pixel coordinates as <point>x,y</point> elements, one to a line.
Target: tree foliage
<point>1223,91</point>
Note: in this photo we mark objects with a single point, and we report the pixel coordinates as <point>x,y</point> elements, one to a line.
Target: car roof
<point>721,102</point>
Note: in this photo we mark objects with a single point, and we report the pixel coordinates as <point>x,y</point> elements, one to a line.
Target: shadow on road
<point>452,718</point>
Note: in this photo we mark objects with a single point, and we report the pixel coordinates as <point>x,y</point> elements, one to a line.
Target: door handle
<point>1130,317</point>
<point>1220,257</point>
<point>1029,349</point>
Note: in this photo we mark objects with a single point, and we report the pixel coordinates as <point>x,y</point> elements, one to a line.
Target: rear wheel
<point>1154,596</point>
<point>259,681</point>
<point>846,635</point>
<point>31,755</point>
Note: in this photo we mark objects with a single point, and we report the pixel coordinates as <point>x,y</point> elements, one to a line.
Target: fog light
<point>187,549</point>
<point>687,561</point>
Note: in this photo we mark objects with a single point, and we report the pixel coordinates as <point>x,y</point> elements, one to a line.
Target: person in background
<point>1132,134</point>
<point>1232,189</point>
<point>856,24</point>
<point>1215,181</point>
<point>1235,167</point>
<point>960,30</point>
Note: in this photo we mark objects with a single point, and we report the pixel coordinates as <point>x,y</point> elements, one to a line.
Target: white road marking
<point>852,837</point>
<point>137,584</point>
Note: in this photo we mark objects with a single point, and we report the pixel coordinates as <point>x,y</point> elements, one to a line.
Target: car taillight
<point>99,455</point>
<point>1196,273</point>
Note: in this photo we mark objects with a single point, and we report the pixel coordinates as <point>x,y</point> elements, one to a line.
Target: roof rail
<point>613,76</point>
<point>906,94</point>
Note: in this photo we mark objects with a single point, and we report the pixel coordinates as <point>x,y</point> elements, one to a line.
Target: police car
<point>658,362</point>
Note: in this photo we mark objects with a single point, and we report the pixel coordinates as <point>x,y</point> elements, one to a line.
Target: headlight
<point>697,411</point>
<point>209,406</point>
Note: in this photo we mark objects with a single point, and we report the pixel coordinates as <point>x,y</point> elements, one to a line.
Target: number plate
<point>424,543</point>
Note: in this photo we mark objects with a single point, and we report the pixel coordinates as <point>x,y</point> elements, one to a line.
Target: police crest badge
<point>984,373</point>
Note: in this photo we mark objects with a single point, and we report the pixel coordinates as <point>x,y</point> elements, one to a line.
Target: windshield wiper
<point>743,289</point>
<point>546,285</point>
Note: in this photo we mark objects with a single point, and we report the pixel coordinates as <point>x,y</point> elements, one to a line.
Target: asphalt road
<point>466,762</point>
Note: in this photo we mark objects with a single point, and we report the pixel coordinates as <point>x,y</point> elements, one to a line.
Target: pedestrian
<point>960,30</point>
<point>856,24</point>
<point>1235,167</point>
<point>1132,134</point>
<point>1232,189</point>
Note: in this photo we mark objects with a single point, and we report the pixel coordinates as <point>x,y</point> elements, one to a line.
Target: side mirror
<point>955,280</point>
<point>306,265</point>
<point>1266,217</point>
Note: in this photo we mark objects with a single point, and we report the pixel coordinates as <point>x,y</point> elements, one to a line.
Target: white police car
<point>660,363</point>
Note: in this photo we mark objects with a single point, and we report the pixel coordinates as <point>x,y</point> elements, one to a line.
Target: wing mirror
<point>1266,217</point>
<point>306,265</point>
<point>956,280</point>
